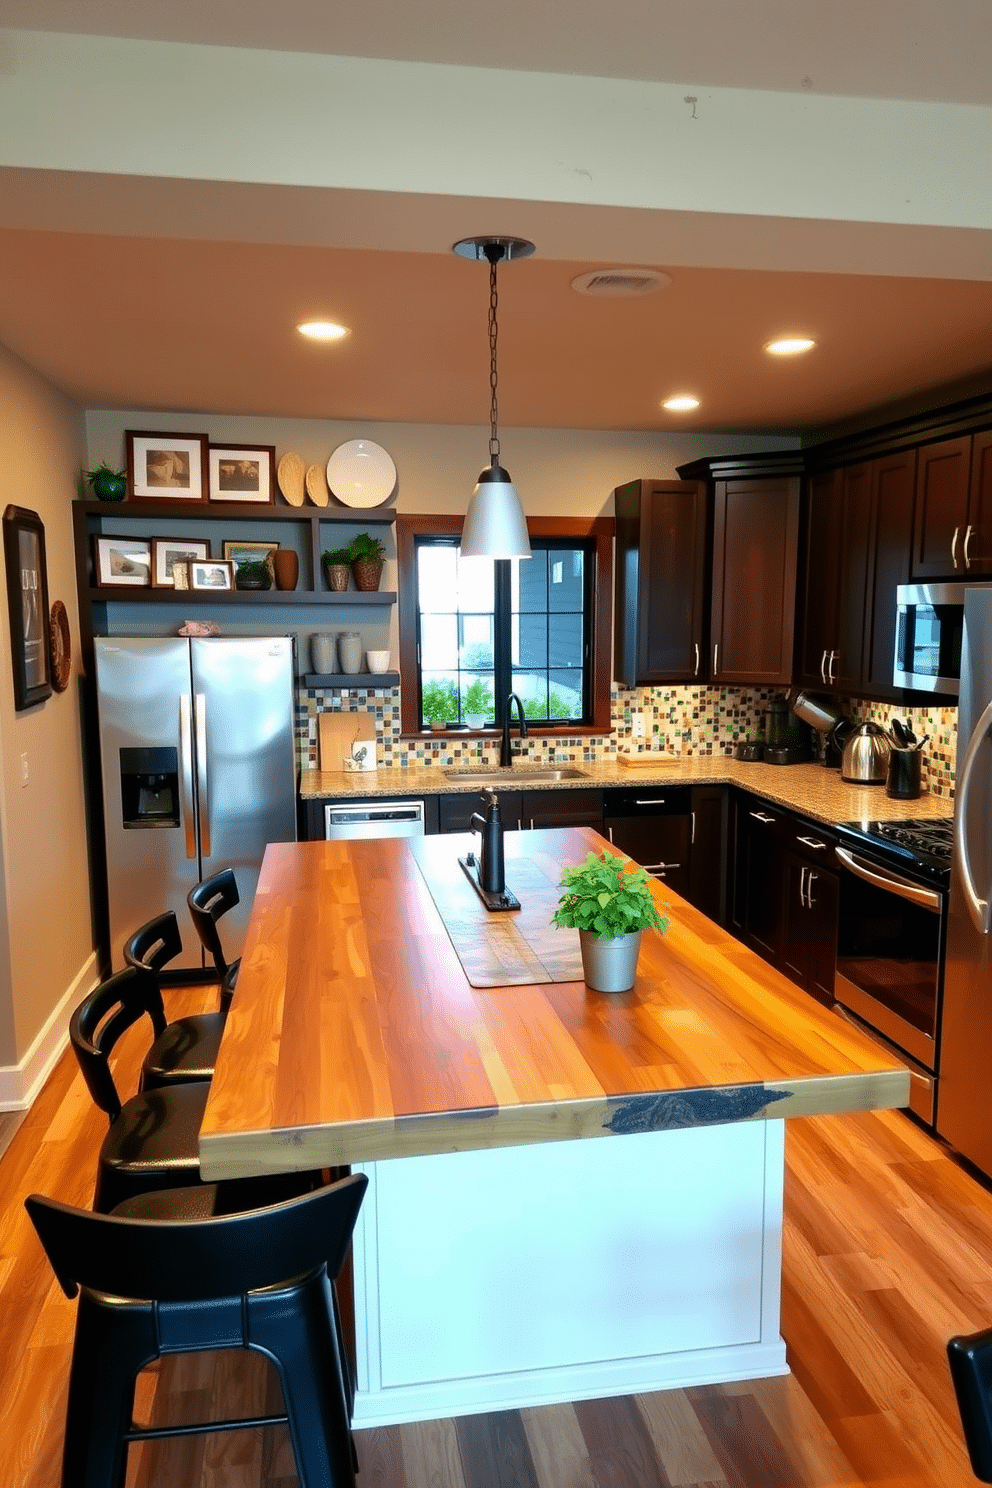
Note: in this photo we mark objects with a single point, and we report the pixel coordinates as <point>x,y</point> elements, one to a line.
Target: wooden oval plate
<point>60,646</point>
<point>317,486</point>
<point>290,474</point>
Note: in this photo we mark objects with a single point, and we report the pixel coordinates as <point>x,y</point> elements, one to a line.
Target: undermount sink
<point>505,777</point>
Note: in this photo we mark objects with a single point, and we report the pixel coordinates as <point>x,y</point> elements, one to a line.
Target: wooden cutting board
<point>336,732</point>
<point>649,761</point>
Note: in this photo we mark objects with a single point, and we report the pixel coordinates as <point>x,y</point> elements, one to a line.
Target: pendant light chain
<point>493,334</point>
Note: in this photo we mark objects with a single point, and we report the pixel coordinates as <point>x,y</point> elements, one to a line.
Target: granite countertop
<point>810,790</point>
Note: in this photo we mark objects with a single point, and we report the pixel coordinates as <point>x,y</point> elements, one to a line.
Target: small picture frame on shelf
<point>122,562</point>
<point>169,466</point>
<point>180,575</point>
<point>239,473</point>
<point>213,574</point>
<point>249,552</point>
<point>167,552</point>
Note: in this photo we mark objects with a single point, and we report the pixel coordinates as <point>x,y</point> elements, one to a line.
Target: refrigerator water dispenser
<point>149,788</point>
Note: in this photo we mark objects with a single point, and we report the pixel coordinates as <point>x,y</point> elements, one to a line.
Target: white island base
<point>531,1275</point>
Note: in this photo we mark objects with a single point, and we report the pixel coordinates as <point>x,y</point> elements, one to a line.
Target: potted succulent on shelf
<point>610,904</point>
<point>255,574</point>
<point>337,568</point>
<point>367,554</point>
<point>106,483</point>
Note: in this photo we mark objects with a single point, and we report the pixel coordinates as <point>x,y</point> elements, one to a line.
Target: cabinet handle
<point>654,801</point>
<point>760,816</point>
<point>812,842</point>
<point>810,901</point>
<point>660,867</point>
<point>823,668</point>
<point>954,547</point>
<point>834,656</point>
<point>532,824</point>
<point>802,887</point>
<point>609,833</point>
<point>692,828</point>
<point>716,653</point>
<point>967,540</point>
<point>695,647</point>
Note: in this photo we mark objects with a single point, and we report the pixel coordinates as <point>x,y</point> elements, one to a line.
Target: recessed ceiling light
<point>681,403</point>
<point>789,345</point>
<point>322,330</point>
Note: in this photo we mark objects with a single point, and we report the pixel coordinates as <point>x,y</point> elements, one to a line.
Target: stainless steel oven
<point>890,939</point>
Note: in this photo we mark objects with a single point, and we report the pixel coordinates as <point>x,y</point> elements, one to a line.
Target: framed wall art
<point>167,552</point>
<point>240,473</point>
<point>173,466</point>
<point>211,573</point>
<point>249,552</point>
<point>27,603</point>
<point>122,562</point>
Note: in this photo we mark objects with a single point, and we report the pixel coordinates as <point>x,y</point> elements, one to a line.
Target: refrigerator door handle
<point>186,774</point>
<point>203,803</point>
<point>979,909</point>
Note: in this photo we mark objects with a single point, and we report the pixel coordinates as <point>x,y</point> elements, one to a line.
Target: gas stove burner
<point>933,837</point>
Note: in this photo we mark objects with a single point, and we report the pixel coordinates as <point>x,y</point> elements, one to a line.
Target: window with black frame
<point>486,628</point>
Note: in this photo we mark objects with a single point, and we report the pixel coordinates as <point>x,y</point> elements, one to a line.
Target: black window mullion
<point>502,667</point>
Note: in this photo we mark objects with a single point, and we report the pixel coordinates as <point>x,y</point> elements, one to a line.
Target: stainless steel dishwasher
<point>343,819</point>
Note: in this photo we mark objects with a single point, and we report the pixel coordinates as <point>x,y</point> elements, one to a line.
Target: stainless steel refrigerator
<point>964,1103</point>
<point>199,773</point>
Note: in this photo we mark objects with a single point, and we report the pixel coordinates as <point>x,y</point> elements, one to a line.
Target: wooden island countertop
<point>355,1035</point>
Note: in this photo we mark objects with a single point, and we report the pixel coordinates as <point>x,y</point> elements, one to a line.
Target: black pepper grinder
<point>492,870</point>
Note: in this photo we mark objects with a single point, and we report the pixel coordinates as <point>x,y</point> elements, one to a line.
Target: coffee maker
<point>788,740</point>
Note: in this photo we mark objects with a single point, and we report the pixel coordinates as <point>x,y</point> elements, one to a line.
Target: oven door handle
<point>926,898</point>
<point>979,909</point>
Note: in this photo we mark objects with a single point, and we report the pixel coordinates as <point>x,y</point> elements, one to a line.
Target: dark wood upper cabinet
<point>893,479</point>
<point>976,549</point>
<point>753,615</point>
<point>662,563</point>
<point>943,476</point>
<point>821,578</point>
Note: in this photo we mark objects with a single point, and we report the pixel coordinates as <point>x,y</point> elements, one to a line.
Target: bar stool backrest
<point>155,944</point>
<point>100,1020</point>
<point>198,1260</point>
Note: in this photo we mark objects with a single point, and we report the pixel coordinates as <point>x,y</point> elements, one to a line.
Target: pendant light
<point>494,523</point>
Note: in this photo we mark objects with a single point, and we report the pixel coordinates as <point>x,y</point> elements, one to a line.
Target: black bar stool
<point>260,1280</point>
<point>970,1358</point>
<point>185,1050</point>
<point>207,902</point>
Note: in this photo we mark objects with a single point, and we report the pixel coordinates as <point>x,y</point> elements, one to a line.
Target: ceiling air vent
<point>626,282</point>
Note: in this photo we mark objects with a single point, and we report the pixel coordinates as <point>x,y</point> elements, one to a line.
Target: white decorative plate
<point>361,473</point>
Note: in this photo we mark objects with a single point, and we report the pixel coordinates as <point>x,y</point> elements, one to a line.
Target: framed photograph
<point>249,552</point>
<point>120,562</point>
<point>167,552</point>
<point>166,465</point>
<point>27,603</point>
<point>211,573</point>
<point>180,575</point>
<point>238,474</point>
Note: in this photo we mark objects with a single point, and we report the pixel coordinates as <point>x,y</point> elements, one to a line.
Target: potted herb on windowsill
<point>367,554</point>
<point>106,483</point>
<point>337,568</point>
<point>610,904</point>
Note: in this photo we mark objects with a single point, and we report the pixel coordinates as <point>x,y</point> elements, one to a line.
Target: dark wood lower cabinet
<point>785,893</point>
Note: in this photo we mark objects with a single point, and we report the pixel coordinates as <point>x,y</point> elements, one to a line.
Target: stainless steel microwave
<point>929,626</point>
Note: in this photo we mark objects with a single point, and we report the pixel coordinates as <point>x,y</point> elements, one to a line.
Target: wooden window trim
<point>410,526</point>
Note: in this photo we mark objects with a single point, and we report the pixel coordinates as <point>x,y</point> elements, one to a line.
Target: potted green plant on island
<point>254,574</point>
<point>610,904</point>
<point>106,483</point>
<point>367,555</point>
<point>337,568</point>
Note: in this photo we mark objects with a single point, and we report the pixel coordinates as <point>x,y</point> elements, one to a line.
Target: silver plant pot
<point>610,965</point>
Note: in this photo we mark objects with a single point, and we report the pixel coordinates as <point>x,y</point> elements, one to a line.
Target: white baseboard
<point>20,1083</point>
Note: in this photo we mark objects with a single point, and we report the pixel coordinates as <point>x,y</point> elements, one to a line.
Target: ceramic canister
<point>323,652</point>
<point>350,650</point>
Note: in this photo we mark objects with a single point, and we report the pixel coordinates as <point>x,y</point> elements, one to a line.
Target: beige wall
<point>45,924</point>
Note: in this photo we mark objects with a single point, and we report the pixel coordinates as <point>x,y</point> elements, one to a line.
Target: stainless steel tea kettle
<point>866,756</point>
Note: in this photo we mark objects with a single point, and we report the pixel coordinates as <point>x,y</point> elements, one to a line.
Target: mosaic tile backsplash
<point>688,721</point>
